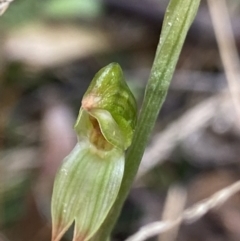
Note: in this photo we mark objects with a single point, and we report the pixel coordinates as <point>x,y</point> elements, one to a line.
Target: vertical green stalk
<point>177,21</point>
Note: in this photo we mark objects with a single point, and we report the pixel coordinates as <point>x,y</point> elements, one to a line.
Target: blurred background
<point>49,53</point>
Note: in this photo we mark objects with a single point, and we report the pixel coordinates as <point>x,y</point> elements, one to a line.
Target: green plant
<point>177,21</point>
<point>89,179</point>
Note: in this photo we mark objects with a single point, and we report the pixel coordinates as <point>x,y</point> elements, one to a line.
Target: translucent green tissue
<point>89,179</point>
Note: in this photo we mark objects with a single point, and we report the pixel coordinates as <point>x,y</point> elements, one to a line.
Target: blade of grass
<point>178,19</point>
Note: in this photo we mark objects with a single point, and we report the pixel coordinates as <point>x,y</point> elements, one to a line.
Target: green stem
<point>178,19</point>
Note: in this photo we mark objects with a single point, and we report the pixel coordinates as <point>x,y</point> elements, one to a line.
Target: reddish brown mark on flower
<point>80,236</point>
<point>97,138</point>
<point>90,101</point>
<point>59,230</point>
<point>58,233</point>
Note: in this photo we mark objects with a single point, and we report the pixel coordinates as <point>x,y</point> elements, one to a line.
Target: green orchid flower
<point>89,179</point>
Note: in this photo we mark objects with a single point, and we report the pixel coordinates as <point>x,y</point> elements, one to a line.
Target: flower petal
<point>85,189</point>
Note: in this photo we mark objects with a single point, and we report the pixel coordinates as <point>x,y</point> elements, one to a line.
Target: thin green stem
<point>178,19</point>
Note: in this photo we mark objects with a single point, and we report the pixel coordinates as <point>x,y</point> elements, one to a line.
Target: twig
<point>172,210</point>
<point>190,215</point>
<point>227,47</point>
<point>164,142</point>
